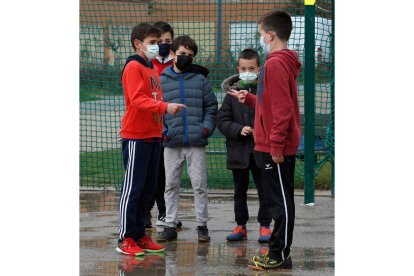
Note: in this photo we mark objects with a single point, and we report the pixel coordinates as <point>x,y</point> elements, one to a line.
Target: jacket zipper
<point>184,111</point>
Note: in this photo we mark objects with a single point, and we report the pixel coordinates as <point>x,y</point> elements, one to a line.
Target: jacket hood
<point>291,59</point>
<point>140,60</point>
<point>194,70</point>
<point>233,82</point>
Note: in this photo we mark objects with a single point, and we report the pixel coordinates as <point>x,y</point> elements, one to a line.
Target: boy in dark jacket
<point>236,122</point>
<point>277,133</point>
<point>186,133</point>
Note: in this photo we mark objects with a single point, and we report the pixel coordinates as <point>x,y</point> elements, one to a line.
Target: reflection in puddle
<point>186,256</point>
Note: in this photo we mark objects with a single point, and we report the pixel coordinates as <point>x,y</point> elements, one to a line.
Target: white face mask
<point>248,77</point>
<point>152,51</point>
<point>265,47</point>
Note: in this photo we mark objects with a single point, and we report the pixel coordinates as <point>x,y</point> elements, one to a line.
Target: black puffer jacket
<point>231,118</point>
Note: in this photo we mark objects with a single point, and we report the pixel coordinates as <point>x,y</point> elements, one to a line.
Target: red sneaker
<point>129,247</point>
<point>265,234</point>
<point>128,263</point>
<point>148,246</point>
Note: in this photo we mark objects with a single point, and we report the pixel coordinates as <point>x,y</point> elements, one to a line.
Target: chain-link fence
<point>221,29</point>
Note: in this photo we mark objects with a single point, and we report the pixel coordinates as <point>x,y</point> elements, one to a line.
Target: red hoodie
<point>277,119</point>
<point>143,100</point>
<point>161,63</point>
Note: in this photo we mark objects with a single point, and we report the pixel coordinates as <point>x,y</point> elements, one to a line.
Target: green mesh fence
<point>221,29</point>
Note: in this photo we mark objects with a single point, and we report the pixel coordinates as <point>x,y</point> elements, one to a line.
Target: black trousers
<point>278,186</point>
<point>241,185</point>
<point>159,191</point>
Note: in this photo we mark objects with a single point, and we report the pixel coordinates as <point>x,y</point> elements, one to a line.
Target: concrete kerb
<point>224,194</point>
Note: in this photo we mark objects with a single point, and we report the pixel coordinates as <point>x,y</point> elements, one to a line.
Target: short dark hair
<point>165,27</point>
<point>186,41</point>
<point>142,31</point>
<point>249,53</point>
<point>277,21</point>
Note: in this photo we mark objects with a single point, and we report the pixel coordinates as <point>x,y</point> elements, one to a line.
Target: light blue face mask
<point>265,47</point>
<point>248,77</point>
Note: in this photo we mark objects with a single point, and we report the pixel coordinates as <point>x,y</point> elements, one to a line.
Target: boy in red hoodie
<point>276,133</point>
<point>141,139</point>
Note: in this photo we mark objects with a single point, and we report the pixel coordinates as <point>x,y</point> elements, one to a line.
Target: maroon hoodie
<point>277,119</point>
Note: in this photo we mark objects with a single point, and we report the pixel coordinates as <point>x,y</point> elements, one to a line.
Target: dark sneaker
<point>265,234</point>
<point>264,262</point>
<point>168,234</point>
<point>239,233</point>
<point>179,224</point>
<point>202,232</point>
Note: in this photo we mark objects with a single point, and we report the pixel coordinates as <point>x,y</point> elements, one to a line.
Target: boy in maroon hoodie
<point>276,133</point>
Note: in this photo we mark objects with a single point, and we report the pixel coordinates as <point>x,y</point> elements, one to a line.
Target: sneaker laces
<point>129,242</point>
<point>265,231</point>
<point>147,240</point>
<point>237,229</point>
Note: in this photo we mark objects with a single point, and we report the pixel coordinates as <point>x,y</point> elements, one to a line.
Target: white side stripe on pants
<point>286,213</point>
<point>129,174</point>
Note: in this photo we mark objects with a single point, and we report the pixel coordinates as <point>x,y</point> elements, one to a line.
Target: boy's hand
<point>240,95</point>
<point>278,159</point>
<point>246,131</point>
<point>173,108</point>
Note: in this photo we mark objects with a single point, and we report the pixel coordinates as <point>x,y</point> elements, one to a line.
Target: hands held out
<point>240,95</point>
<point>174,108</point>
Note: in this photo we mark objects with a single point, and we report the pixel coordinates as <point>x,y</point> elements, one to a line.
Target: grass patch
<point>323,179</point>
<point>101,169</point>
<point>104,169</point>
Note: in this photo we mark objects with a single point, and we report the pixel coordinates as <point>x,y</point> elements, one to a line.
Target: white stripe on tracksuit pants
<point>141,163</point>
<point>278,186</point>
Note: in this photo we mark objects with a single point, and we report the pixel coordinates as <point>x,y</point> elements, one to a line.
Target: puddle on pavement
<point>193,258</point>
<point>182,257</point>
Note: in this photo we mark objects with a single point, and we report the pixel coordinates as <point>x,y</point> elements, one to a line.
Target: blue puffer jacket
<point>187,127</point>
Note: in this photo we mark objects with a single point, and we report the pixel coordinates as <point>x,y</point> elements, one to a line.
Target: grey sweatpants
<point>197,170</point>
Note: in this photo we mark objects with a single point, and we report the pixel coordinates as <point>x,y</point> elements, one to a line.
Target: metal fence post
<point>219,32</point>
<point>309,101</point>
<point>333,101</point>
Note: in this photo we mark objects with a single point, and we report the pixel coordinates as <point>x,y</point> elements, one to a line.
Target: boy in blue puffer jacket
<point>186,134</point>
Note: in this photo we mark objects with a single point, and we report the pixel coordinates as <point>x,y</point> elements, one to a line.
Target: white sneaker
<point>161,222</point>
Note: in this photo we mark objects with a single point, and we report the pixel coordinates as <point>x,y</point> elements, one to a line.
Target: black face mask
<point>164,49</point>
<point>184,62</point>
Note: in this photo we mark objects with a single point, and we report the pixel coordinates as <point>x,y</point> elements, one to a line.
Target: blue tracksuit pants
<point>141,162</point>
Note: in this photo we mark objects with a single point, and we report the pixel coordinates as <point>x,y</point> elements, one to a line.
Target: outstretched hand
<point>174,108</point>
<point>240,95</point>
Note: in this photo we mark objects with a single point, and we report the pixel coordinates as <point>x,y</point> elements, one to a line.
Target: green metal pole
<point>309,102</point>
<point>333,101</point>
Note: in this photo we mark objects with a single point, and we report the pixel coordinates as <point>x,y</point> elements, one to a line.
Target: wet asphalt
<point>312,250</point>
